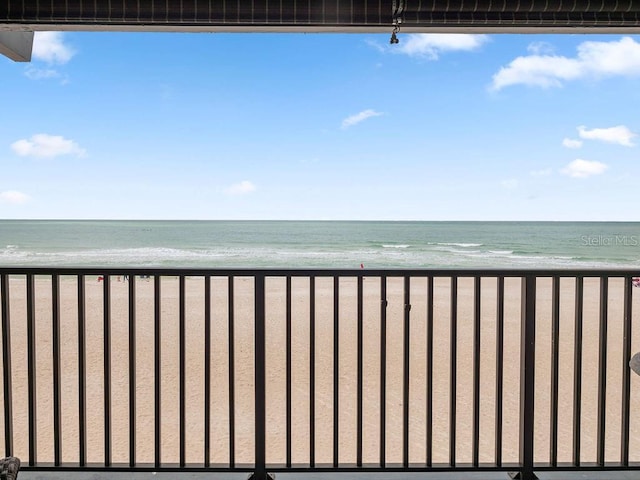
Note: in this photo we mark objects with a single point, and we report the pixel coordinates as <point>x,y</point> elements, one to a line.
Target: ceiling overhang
<point>18,18</point>
<point>481,16</point>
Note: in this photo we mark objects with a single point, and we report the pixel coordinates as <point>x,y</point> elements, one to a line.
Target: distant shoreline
<point>319,244</point>
<point>271,220</point>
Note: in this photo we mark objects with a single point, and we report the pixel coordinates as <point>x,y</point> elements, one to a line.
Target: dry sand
<point>324,381</point>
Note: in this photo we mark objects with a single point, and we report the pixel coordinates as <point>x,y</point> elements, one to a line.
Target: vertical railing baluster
<point>499,369</point>
<point>207,371</point>
<point>157,334</point>
<point>288,366</point>
<point>359,414</point>
<point>132,370</point>
<point>405,371</point>
<point>577,370</point>
<point>527,376</point>
<point>55,347</point>
<point>626,375</point>
<point>312,371</point>
<point>82,372</point>
<point>232,381</point>
<point>476,372</point>
<point>6,365</point>
<point>602,369</point>
<point>383,369</point>
<point>182,367</point>
<point>107,368</point>
<point>429,374</point>
<point>453,332</point>
<point>336,370</point>
<point>555,380</point>
<point>31,368</point>
<point>260,380</point>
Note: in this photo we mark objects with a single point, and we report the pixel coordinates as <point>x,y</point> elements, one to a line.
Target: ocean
<point>319,244</point>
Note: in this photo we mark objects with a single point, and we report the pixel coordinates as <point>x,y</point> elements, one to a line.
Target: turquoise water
<point>320,244</point>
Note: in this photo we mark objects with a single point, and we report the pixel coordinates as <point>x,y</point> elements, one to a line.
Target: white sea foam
<point>464,245</point>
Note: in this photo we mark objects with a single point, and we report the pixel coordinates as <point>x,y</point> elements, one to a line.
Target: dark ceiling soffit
<point>323,15</point>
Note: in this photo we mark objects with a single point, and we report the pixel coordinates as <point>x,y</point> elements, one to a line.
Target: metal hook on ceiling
<point>396,17</point>
<point>394,37</point>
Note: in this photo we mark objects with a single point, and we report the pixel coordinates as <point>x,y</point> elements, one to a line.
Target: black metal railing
<point>319,370</point>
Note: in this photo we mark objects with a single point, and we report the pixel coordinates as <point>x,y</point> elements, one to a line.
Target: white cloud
<point>584,168</point>
<point>571,143</point>
<point>431,45</point>
<point>359,117</point>
<point>14,197</point>
<point>241,188</point>
<point>42,145</point>
<point>537,71</point>
<point>510,183</point>
<point>35,73</point>
<point>541,48</point>
<point>620,135</point>
<point>611,58</point>
<point>51,48</point>
<point>593,59</point>
<point>380,48</point>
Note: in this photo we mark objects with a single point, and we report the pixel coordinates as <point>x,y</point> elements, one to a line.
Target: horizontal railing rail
<point>292,370</point>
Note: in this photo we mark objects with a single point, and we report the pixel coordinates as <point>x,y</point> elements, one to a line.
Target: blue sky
<point>321,126</point>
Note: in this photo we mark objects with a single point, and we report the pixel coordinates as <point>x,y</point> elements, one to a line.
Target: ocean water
<point>316,244</point>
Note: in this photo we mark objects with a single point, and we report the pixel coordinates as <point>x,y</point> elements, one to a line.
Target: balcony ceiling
<point>481,16</point>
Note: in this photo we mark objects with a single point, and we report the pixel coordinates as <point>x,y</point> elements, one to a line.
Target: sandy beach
<point>324,368</point>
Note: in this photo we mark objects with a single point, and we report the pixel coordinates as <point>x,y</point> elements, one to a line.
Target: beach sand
<point>324,367</point>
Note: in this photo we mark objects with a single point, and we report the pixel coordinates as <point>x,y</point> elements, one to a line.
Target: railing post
<point>106,297</point>
<point>57,389</point>
<point>6,365</point>
<point>260,467</point>
<point>31,369</point>
<point>82,373</point>
<point>527,378</point>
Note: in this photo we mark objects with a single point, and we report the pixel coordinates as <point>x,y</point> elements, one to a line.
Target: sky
<point>113,125</point>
